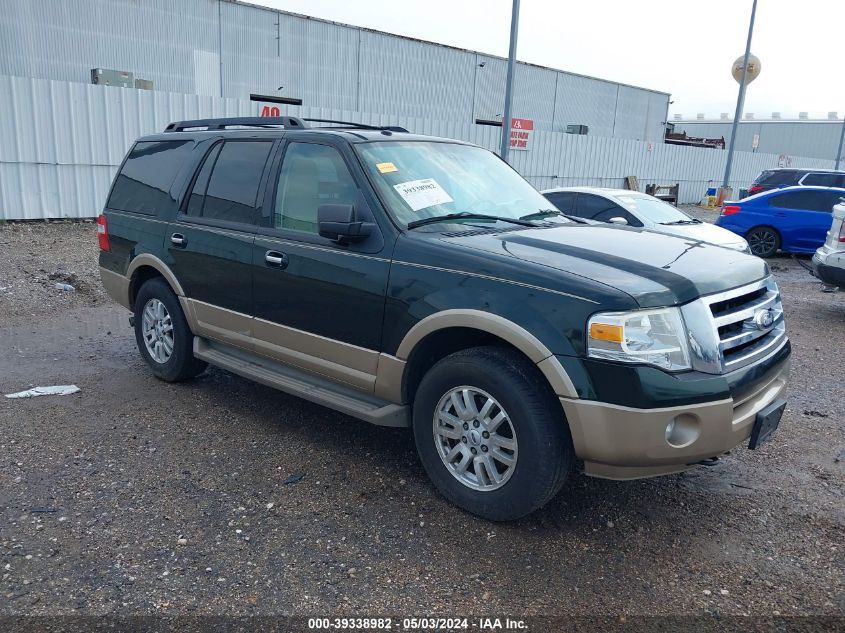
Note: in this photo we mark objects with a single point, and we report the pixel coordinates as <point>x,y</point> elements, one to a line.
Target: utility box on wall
<point>144,84</point>
<point>107,77</point>
<point>577,129</point>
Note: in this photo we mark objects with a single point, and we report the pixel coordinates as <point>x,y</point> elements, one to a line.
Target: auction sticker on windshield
<point>419,194</point>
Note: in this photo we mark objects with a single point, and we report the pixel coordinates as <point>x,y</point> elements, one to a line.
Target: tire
<point>764,241</point>
<point>170,362</point>
<point>542,452</point>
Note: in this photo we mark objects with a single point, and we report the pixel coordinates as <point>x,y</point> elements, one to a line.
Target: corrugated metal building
<point>797,137</point>
<point>61,143</point>
<point>222,48</point>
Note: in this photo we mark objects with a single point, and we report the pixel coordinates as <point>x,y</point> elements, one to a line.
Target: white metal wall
<point>819,139</point>
<point>229,49</point>
<point>61,142</point>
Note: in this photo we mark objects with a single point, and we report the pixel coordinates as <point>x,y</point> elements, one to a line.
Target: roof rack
<point>291,122</point>
<point>360,126</point>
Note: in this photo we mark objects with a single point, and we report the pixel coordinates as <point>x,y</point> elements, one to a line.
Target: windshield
<point>654,210</point>
<point>424,179</point>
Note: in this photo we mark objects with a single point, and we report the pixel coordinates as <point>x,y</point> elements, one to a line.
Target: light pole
<point>740,101</point>
<point>506,117</point>
<point>841,138</point>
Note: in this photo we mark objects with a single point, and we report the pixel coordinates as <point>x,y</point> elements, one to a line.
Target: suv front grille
<point>735,328</point>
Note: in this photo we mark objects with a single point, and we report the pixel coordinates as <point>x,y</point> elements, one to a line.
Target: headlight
<point>656,337</point>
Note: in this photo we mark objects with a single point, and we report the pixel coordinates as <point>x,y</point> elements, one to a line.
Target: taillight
<point>731,209</point>
<point>103,233</point>
<point>842,231</point>
<point>754,189</point>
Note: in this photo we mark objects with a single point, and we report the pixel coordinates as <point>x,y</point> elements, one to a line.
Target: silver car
<point>632,208</point>
<point>829,260</point>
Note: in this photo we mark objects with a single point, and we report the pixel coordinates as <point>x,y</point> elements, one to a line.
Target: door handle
<point>178,239</point>
<point>276,259</point>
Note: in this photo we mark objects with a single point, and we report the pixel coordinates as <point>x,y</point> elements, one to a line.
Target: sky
<point>682,47</point>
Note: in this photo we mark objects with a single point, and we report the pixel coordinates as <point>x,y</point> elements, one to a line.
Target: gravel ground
<point>220,496</point>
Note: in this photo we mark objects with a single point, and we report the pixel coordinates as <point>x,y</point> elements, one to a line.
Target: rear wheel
<point>490,434</point>
<point>764,241</point>
<point>162,333</point>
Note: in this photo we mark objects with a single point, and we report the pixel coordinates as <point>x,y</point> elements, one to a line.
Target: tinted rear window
<point>143,185</point>
<point>823,180</point>
<point>778,177</point>
<point>822,201</point>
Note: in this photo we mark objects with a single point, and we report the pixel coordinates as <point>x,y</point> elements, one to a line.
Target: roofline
<point>431,43</point>
<point>741,122</point>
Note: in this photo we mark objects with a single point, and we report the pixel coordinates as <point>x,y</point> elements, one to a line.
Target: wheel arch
<point>449,331</point>
<point>145,267</point>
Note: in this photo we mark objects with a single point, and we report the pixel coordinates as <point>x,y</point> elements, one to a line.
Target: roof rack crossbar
<point>360,126</point>
<point>290,122</point>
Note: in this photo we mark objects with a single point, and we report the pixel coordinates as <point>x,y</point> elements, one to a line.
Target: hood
<point>653,268</point>
<point>705,232</point>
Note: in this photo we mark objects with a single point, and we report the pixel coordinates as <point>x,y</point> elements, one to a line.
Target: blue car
<point>792,219</point>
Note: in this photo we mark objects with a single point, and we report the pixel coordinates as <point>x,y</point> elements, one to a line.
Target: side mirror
<point>340,223</point>
<point>618,220</point>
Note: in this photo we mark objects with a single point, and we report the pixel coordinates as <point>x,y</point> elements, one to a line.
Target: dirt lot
<point>222,496</point>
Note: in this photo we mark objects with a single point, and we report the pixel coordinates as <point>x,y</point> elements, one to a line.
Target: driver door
<point>318,305</point>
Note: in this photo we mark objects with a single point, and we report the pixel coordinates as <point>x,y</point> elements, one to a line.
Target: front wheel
<point>764,241</point>
<point>490,433</point>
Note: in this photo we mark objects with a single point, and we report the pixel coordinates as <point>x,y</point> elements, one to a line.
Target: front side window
<point>655,210</point>
<point>563,200</point>
<point>311,175</point>
<point>590,206</point>
<point>423,179</point>
<point>233,172</point>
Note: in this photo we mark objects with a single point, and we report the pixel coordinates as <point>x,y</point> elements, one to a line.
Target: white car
<point>632,208</point>
<point>829,260</point>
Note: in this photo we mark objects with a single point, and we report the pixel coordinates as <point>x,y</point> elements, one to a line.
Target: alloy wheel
<point>157,331</point>
<point>475,438</point>
<point>763,242</point>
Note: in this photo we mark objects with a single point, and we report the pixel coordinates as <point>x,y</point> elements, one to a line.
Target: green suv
<point>415,281</point>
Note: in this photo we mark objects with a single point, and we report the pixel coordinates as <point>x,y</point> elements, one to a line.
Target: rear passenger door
<point>210,242</point>
<point>803,217</point>
<point>319,305</point>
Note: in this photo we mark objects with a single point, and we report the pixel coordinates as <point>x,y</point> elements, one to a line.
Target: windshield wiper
<point>538,215</point>
<point>691,221</point>
<point>463,215</point>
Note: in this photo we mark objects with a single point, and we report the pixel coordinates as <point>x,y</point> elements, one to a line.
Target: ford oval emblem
<point>763,319</point>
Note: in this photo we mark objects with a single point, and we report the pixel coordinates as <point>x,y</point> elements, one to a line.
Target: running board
<point>302,384</point>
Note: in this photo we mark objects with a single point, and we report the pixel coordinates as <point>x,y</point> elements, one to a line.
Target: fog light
<point>683,430</point>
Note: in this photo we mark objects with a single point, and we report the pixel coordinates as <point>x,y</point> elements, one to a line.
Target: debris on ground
<point>57,390</point>
<point>814,414</point>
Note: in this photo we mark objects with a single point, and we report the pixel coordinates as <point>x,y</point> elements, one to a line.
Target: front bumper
<point>623,442</point>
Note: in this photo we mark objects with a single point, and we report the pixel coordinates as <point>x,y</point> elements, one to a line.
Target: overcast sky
<point>679,46</point>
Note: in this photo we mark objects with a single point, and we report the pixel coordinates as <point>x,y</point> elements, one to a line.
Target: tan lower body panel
<point>625,443</point>
<point>116,286</point>
<point>346,363</point>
